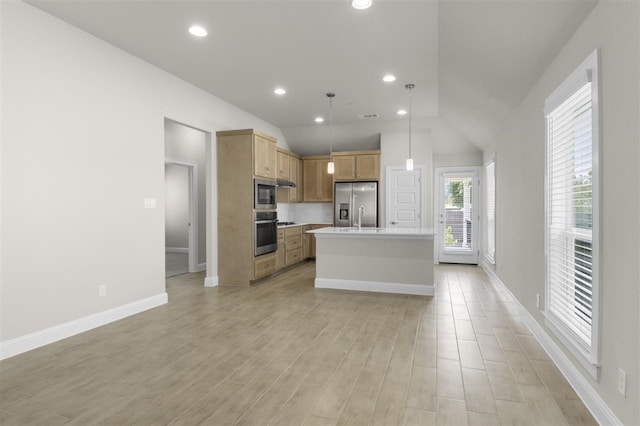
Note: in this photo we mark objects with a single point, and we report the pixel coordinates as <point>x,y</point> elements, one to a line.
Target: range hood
<point>284,183</point>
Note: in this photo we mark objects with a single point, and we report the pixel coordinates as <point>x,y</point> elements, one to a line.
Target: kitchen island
<point>386,260</point>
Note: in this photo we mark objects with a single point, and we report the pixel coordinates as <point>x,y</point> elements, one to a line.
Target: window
<point>571,226</point>
<point>490,172</point>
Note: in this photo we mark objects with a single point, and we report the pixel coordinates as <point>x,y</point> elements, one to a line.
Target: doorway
<point>457,214</point>
<point>181,218</point>
<point>405,203</point>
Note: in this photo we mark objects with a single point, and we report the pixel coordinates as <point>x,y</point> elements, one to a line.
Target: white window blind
<point>491,210</point>
<point>571,252</point>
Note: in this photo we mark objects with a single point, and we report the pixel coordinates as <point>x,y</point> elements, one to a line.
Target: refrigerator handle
<point>352,220</point>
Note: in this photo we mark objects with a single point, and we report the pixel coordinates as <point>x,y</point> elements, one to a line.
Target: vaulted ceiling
<point>471,61</point>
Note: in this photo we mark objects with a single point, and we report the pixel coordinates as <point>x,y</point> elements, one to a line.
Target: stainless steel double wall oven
<point>265,234</point>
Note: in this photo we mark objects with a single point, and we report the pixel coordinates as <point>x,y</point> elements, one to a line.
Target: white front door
<point>457,216</point>
<point>404,197</point>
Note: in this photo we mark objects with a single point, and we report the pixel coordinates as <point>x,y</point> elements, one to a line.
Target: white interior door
<point>404,197</point>
<point>181,211</point>
<point>457,218</point>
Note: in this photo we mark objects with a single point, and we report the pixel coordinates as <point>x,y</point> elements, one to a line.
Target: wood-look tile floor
<point>283,353</point>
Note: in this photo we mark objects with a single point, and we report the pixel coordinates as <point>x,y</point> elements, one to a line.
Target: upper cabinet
<point>362,165</point>
<point>284,167</point>
<point>295,174</point>
<point>264,156</point>
<point>318,184</point>
<point>289,168</point>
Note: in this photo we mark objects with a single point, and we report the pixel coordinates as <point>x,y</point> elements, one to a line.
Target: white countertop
<point>304,224</point>
<point>391,233</point>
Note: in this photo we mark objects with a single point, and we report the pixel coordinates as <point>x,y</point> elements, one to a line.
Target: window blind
<point>491,210</point>
<point>570,262</point>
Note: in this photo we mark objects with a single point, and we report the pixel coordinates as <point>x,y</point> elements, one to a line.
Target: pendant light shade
<point>410,87</point>
<point>330,165</point>
<point>409,163</point>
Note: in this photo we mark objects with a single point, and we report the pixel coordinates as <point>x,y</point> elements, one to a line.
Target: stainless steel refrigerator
<point>354,200</point>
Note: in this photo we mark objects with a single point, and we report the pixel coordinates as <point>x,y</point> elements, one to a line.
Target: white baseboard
<point>30,341</point>
<point>211,282</point>
<point>594,403</point>
<point>375,286</point>
<point>184,250</point>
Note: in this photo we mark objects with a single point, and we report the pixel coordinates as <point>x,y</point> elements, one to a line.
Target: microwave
<point>265,193</point>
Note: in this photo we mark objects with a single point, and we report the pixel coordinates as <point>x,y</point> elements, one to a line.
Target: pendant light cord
<point>331,96</point>
<point>410,121</point>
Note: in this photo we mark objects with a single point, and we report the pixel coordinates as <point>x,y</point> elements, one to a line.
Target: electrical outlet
<point>622,382</point>
<point>102,290</point>
<point>538,300</point>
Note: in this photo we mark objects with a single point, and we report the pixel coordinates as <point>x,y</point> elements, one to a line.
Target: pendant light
<point>410,159</point>
<point>330,165</point>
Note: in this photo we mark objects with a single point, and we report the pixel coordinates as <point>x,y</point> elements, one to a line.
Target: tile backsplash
<point>305,212</point>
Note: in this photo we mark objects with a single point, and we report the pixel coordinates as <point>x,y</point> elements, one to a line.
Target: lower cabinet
<point>264,265</point>
<point>293,256</point>
<point>293,245</point>
<point>306,242</point>
<point>280,253</point>
<point>312,240</point>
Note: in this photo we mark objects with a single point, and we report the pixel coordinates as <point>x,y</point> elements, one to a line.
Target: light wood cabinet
<point>289,168</point>
<point>293,244</point>
<point>293,256</point>
<point>264,265</point>
<point>238,153</point>
<point>363,165</point>
<point>295,174</point>
<point>312,246</point>
<point>368,166</point>
<point>344,167</point>
<point>317,183</point>
<point>280,253</point>
<point>264,155</point>
<point>312,240</point>
<point>290,247</point>
<point>306,241</point>
<point>284,165</point>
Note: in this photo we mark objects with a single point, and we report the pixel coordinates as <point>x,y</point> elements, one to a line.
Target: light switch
<point>149,203</point>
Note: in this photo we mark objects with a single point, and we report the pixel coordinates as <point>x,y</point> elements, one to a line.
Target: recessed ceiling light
<point>361,4</point>
<point>279,91</point>
<point>402,112</point>
<point>319,120</point>
<point>198,31</point>
<point>389,78</point>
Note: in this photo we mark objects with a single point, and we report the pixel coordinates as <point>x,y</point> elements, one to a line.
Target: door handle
<point>393,223</point>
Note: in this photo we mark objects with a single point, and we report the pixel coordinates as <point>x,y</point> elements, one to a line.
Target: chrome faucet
<point>361,213</point>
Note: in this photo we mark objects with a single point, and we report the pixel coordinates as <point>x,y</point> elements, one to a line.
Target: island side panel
<point>375,264</point>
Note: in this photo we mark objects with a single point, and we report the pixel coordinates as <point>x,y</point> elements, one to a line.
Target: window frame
<point>587,354</point>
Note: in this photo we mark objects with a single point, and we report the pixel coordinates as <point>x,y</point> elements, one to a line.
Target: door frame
<point>438,206</point>
<point>192,235</point>
<point>423,201</point>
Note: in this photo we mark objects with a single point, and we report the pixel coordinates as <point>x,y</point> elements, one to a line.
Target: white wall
<point>457,160</point>
<point>613,26</point>
<point>183,143</point>
<point>74,109</point>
